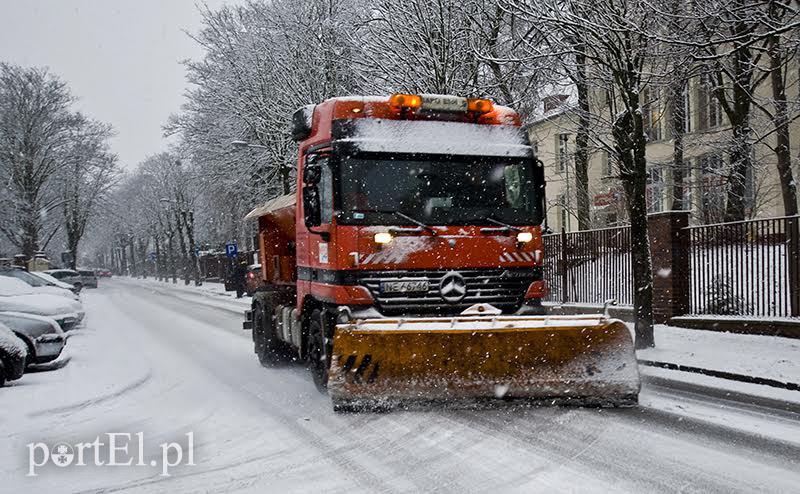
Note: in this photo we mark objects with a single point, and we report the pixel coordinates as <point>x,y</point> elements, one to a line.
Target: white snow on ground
<point>751,355</point>
<point>165,362</point>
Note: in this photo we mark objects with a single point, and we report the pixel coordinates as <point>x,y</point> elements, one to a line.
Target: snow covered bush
<point>723,299</point>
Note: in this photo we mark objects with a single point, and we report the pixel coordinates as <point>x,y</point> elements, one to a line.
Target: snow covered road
<point>166,364</point>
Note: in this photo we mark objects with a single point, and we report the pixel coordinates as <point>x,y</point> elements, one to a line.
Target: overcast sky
<point>121,58</point>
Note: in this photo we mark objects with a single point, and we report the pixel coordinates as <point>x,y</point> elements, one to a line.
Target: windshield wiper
<point>416,222</point>
<point>504,225</point>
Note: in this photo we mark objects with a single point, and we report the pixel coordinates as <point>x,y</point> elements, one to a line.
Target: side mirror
<point>312,210</point>
<point>302,123</point>
<point>312,173</point>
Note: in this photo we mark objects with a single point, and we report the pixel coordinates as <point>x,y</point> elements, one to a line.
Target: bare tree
<point>35,132</point>
<point>614,40</point>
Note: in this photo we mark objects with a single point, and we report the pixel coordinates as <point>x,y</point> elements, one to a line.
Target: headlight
<point>523,237</point>
<point>383,237</point>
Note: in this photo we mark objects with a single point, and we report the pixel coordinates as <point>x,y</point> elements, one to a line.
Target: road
<point>269,430</point>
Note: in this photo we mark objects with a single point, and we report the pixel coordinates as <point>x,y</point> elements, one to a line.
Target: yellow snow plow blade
<point>587,360</point>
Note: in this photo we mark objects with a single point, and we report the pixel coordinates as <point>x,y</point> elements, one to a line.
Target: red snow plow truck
<point>408,266</point>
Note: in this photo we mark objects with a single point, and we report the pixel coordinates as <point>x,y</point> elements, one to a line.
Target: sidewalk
<point>769,358</point>
<point>765,358</point>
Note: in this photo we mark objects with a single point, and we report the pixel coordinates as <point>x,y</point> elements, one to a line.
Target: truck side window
<point>326,191</point>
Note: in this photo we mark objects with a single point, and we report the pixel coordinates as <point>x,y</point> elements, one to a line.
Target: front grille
<point>503,288</point>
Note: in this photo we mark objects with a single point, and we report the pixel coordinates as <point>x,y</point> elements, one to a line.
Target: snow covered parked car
<point>13,355</point>
<point>54,282</point>
<point>16,296</point>
<point>44,338</point>
<point>39,284</point>
<point>67,276</point>
<point>88,278</point>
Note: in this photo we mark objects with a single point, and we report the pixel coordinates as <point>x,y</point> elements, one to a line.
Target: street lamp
<point>245,144</point>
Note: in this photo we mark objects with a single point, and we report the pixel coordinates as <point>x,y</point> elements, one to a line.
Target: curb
<point>723,375</point>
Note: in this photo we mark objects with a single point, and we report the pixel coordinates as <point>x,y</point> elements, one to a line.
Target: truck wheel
<point>268,348</point>
<point>319,351</point>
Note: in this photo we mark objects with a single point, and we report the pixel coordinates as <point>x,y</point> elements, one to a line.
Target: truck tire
<point>268,348</point>
<point>319,350</point>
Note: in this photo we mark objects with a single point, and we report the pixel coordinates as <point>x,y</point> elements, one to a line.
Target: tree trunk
<point>741,161</point>
<point>582,140</point>
<point>159,271</point>
<point>783,152</point>
<point>630,145</point>
<point>678,112</point>
<point>134,271</point>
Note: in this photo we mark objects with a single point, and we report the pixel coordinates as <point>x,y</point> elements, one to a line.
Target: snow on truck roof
<point>438,137</point>
<point>275,204</point>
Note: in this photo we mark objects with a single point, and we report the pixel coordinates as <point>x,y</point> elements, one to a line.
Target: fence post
<point>793,258</point>
<point>669,252</point>
<point>564,266</point>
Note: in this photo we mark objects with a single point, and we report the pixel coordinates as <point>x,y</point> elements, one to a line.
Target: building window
<point>562,152</point>
<point>710,111</point>
<point>712,188</point>
<point>655,190</point>
<point>651,114</point>
<point>605,162</point>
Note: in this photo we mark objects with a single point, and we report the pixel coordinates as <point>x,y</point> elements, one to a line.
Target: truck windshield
<point>438,190</point>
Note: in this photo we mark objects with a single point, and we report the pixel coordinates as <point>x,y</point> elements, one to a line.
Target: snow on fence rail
<point>747,268</point>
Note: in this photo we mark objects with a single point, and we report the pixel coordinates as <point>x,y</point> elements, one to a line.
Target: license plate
<point>443,103</point>
<point>404,286</point>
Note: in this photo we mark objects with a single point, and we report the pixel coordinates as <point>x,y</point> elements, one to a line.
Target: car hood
<point>30,325</point>
<point>40,304</point>
<point>54,290</point>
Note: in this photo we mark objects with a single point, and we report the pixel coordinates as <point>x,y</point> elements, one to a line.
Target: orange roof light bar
<point>405,101</point>
<point>479,105</point>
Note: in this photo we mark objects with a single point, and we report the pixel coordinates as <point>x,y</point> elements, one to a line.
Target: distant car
<point>13,355</point>
<point>67,276</point>
<point>253,280</point>
<point>17,296</point>
<point>88,278</point>
<point>44,338</point>
<point>103,273</point>
<point>54,282</point>
<point>39,284</point>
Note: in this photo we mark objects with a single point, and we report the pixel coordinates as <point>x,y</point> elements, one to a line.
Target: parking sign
<point>231,250</point>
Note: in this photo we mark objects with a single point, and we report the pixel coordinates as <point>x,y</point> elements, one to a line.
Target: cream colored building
<point>705,155</point>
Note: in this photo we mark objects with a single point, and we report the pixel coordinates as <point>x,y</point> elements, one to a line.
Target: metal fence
<point>749,268</point>
<point>589,266</point>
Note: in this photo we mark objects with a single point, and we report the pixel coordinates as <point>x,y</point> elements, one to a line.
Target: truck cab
<point>406,206</point>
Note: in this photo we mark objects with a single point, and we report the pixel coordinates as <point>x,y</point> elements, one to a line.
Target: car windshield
<point>10,286</point>
<point>439,190</point>
<point>46,277</point>
<point>23,276</point>
<point>86,273</point>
